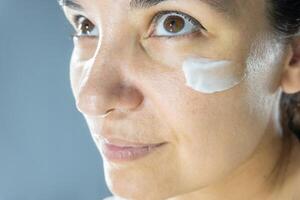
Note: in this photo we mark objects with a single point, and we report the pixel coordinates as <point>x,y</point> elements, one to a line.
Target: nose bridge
<point>104,85</point>
<point>117,31</point>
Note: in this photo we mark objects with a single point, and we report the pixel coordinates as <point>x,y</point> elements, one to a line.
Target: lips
<point>121,150</point>
<point>126,143</point>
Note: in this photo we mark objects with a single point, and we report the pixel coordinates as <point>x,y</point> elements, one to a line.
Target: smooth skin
<point>225,145</point>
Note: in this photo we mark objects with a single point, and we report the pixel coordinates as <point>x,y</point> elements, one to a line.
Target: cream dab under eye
<point>174,24</point>
<point>210,76</point>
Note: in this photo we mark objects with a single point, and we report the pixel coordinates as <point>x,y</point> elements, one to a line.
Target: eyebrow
<point>222,6</point>
<point>219,5</point>
<point>73,4</point>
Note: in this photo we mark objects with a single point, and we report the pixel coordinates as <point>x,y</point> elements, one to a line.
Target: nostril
<point>110,110</point>
<point>107,113</point>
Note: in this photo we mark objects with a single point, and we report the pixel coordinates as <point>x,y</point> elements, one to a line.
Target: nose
<point>104,87</point>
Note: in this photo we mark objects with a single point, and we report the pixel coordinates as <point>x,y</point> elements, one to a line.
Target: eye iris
<point>174,24</point>
<point>86,26</point>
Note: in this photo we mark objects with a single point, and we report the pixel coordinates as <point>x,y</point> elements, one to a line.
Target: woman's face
<point>128,59</point>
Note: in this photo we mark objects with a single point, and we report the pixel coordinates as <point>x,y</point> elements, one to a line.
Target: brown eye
<point>174,24</point>
<point>85,27</point>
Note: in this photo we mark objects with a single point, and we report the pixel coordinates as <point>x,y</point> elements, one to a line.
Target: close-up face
<point>176,93</point>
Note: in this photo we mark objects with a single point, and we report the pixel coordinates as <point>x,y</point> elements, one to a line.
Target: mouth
<point>120,150</point>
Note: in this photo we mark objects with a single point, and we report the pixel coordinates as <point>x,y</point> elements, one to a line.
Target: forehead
<point>224,6</point>
<point>217,4</point>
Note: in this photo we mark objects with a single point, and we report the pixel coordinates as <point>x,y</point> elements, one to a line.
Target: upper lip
<point>121,138</point>
<point>126,143</point>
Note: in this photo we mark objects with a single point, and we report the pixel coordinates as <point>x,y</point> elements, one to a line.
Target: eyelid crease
<point>76,19</point>
<point>165,12</point>
<point>191,19</point>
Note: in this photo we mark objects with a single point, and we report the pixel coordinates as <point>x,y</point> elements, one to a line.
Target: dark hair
<point>285,18</point>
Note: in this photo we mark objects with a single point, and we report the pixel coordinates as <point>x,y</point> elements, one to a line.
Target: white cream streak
<point>210,76</point>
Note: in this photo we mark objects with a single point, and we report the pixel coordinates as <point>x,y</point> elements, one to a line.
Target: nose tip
<point>90,105</point>
<point>108,82</point>
<point>100,103</point>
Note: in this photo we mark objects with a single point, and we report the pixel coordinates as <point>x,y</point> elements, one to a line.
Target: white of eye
<point>94,32</point>
<point>190,25</point>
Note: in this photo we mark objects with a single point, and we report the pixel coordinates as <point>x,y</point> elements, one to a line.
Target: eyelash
<point>155,19</point>
<point>75,20</point>
<point>154,23</point>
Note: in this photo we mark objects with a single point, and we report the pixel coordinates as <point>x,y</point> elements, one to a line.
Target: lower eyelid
<point>187,36</point>
<point>84,38</point>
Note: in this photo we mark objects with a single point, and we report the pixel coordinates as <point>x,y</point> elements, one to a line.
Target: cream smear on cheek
<point>210,76</point>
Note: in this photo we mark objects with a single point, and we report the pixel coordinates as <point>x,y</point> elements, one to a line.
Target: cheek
<point>83,52</point>
<point>76,71</point>
<point>214,133</point>
<point>84,48</point>
<point>74,79</point>
<point>171,53</point>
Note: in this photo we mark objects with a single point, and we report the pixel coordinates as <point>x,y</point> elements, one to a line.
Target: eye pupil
<point>86,26</point>
<point>174,24</point>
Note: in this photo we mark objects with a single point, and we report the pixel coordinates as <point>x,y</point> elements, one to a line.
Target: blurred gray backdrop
<point>46,152</point>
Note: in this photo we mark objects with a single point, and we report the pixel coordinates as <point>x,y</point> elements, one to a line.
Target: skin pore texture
<point>222,142</point>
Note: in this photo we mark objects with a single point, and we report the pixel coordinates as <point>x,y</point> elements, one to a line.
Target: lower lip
<point>118,153</point>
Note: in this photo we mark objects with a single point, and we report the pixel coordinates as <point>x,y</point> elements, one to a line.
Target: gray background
<point>46,151</point>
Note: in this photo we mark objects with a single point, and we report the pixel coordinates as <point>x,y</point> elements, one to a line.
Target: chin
<point>134,191</point>
<point>138,185</point>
